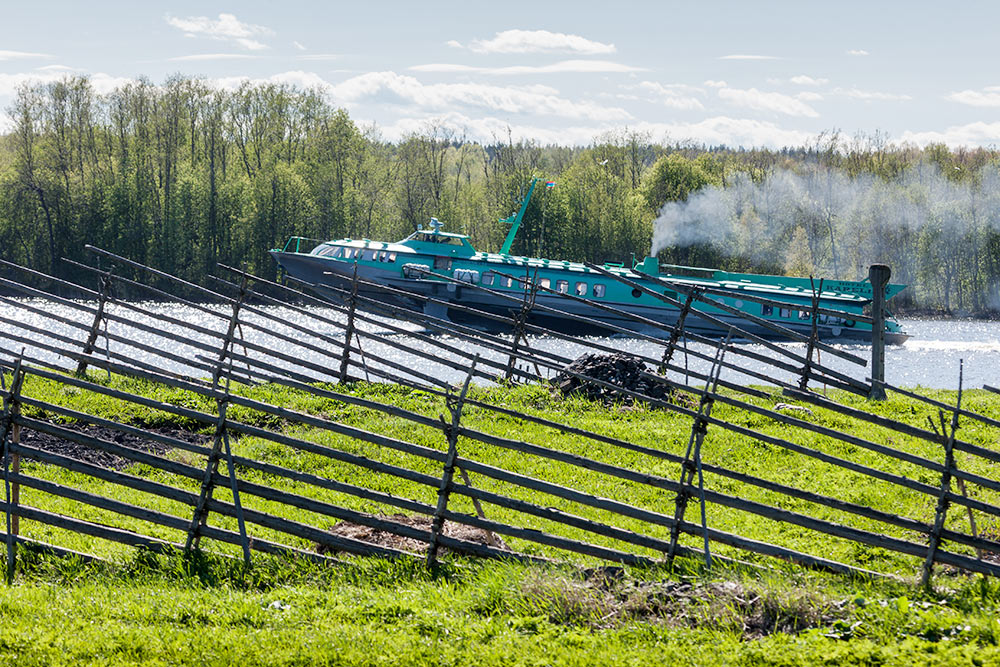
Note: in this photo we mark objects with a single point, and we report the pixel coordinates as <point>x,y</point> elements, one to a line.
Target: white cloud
<point>101,82</point>
<point>321,56</point>
<point>536,41</point>
<point>453,43</point>
<point>212,56</point>
<point>740,56</point>
<point>763,101</point>
<point>563,67</point>
<point>803,80</point>
<point>973,134</point>
<point>297,78</point>
<point>298,46</point>
<point>19,55</point>
<point>987,97</point>
<point>715,131</point>
<point>809,96</point>
<point>226,28</point>
<point>716,84</point>
<point>58,68</point>
<point>857,52</point>
<point>675,96</point>
<point>858,94</point>
<point>395,89</point>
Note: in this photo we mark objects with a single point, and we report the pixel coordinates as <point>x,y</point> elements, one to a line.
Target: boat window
<point>823,318</point>
<point>804,315</point>
<point>636,292</point>
<point>581,289</point>
<point>562,286</point>
<point>487,278</point>
<point>368,255</point>
<point>442,263</point>
<point>784,312</point>
<point>391,257</point>
<point>545,282</point>
<point>599,289</point>
<point>766,310</point>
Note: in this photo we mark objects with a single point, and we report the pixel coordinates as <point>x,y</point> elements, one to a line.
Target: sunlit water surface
<point>930,358</point>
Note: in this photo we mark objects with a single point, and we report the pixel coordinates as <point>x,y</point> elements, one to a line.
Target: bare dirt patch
<point>384,538</point>
<point>81,452</point>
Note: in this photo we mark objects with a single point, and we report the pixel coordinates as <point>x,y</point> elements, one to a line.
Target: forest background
<point>182,175</point>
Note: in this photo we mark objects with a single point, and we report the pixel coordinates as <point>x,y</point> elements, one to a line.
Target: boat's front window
<point>328,251</point>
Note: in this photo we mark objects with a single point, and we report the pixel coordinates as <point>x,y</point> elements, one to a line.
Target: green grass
<point>209,610</point>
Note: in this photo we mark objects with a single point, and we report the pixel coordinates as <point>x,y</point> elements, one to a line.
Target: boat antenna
<point>515,220</point>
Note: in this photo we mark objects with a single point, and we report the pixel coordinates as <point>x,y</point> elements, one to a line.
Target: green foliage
<point>182,176</point>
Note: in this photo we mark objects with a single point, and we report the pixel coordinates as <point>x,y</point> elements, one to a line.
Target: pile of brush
<point>611,371</point>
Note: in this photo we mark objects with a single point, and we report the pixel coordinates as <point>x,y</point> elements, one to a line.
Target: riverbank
<point>209,610</point>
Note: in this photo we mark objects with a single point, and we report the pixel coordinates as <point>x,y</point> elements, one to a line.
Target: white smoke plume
<point>829,224</point>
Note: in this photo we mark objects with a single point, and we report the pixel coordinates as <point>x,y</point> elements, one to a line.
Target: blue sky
<point>751,74</point>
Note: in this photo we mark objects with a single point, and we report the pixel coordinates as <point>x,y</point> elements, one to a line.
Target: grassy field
<point>207,610</point>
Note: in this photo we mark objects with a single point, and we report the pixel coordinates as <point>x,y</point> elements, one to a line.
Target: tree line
<point>182,175</point>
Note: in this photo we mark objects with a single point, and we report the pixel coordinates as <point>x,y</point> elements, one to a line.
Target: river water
<point>930,358</point>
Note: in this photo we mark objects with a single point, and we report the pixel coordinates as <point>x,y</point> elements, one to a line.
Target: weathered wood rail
<point>291,513</point>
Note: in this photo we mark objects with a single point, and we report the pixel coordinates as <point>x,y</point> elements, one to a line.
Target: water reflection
<point>930,358</point>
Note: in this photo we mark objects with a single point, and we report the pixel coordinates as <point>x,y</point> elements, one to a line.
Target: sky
<point>748,74</point>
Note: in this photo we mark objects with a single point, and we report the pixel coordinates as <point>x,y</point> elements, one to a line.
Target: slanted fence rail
<point>252,485</point>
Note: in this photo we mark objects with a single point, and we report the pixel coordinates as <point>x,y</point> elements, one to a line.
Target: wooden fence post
<point>227,342</point>
<point>352,304</point>
<point>878,276</point>
<point>200,517</point>
<point>10,411</point>
<point>691,465</point>
<point>95,328</point>
<point>941,512</point>
<point>455,405</point>
<point>520,319</point>
<point>813,336</point>
<point>678,331</point>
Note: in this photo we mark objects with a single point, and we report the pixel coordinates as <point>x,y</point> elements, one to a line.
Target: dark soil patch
<point>384,538</point>
<point>81,452</point>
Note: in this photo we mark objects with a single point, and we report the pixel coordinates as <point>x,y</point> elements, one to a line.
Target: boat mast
<point>515,221</point>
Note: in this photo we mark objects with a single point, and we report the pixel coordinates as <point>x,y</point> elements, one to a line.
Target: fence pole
<point>689,467</point>
<point>675,335</point>
<point>942,504</point>
<point>352,304</point>
<point>227,342</point>
<point>813,336</point>
<point>95,328</point>
<point>520,319</point>
<point>11,408</point>
<point>878,276</point>
<point>455,405</point>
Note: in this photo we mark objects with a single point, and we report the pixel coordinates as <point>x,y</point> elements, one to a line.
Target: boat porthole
<point>738,303</point>
<point>636,293</point>
<point>849,323</point>
<point>836,331</point>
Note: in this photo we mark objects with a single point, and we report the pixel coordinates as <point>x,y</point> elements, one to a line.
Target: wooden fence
<point>509,489</point>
